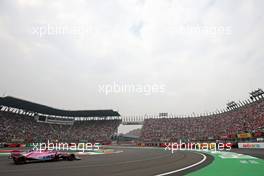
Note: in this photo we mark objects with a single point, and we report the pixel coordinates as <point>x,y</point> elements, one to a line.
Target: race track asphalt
<point>129,162</point>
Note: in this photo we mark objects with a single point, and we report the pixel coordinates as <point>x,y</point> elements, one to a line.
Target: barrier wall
<point>251,145</point>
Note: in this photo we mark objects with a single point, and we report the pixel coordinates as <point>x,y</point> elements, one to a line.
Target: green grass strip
<point>232,164</point>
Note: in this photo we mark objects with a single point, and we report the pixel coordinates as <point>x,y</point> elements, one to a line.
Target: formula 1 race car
<point>46,155</point>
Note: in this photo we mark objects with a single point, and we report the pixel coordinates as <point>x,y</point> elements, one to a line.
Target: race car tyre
<point>71,157</point>
<point>20,160</point>
<point>56,158</point>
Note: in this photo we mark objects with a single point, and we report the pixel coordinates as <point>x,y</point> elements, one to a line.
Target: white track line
<point>187,167</point>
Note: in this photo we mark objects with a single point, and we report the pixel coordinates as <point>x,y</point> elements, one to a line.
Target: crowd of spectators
<point>26,129</point>
<point>248,118</point>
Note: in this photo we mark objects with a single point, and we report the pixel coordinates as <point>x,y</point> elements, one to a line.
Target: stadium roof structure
<point>43,109</point>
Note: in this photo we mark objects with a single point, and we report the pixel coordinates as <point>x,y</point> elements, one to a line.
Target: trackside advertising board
<point>251,145</point>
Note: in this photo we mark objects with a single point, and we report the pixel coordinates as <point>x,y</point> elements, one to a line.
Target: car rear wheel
<point>20,160</point>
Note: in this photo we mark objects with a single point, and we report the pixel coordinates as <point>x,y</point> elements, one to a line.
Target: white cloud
<point>132,42</point>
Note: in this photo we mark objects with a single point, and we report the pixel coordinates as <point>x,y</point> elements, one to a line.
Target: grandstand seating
<point>22,128</point>
<point>25,121</point>
<point>248,118</point>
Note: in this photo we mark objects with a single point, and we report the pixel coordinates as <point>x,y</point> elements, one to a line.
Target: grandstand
<point>244,122</point>
<point>26,122</point>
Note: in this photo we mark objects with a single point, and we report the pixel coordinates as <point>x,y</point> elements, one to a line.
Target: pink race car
<point>47,155</point>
